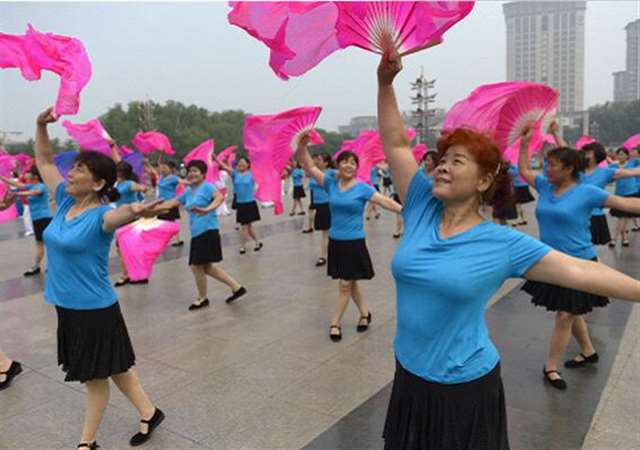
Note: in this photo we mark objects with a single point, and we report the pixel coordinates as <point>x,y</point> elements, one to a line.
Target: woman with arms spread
<point>447,390</point>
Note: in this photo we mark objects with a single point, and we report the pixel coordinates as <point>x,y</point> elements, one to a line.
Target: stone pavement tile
<point>533,430</point>
<point>620,413</point>
<point>605,440</point>
<point>30,390</point>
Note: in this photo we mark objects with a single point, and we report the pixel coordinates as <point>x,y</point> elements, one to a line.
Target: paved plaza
<point>262,372</point>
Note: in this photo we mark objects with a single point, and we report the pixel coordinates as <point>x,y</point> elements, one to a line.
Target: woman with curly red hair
<point>447,391</point>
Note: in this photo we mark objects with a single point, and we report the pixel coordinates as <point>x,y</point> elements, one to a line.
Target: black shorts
<point>39,226</point>
<point>205,248</point>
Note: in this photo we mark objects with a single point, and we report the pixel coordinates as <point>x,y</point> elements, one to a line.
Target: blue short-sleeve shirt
<point>167,187</point>
<point>127,195</point>
<point>201,196</point>
<point>626,186</point>
<point>297,175</point>
<point>39,204</point>
<point>564,220</point>
<point>243,186</point>
<point>78,254</point>
<point>320,196</point>
<point>375,179</point>
<point>517,180</point>
<point>444,285</point>
<point>600,177</point>
<point>347,208</point>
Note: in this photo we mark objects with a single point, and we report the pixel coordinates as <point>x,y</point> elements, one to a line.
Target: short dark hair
<point>125,170</point>
<point>170,163</point>
<point>33,170</point>
<point>102,168</point>
<point>431,154</point>
<point>622,150</point>
<point>570,158</point>
<point>198,164</point>
<point>245,159</point>
<point>347,155</point>
<point>599,153</point>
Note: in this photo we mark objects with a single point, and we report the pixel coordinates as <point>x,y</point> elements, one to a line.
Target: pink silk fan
<point>90,136</point>
<point>150,141</point>
<point>632,142</point>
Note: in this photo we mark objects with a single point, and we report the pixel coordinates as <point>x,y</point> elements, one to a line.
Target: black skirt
<point>523,195</point>
<point>322,220</point>
<point>556,298</point>
<point>298,192</point>
<point>506,212</point>
<point>205,248</point>
<point>247,213</point>
<point>39,226</point>
<point>424,415</point>
<point>619,213</point>
<point>600,234</point>
<point>349,260</point>
<point>312,205</point>
<point>386,181</point>
<point>234,202</point>
<point>172,215</point>
<point>93,344</point>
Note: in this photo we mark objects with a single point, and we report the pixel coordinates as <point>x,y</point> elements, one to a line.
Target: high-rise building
<point>626,83</point>
<point>545,44</point>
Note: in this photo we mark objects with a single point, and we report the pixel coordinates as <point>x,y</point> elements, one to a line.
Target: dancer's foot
<point>612,243</point>
<point>178,244</point>
<point>582,360</point>
<point>91,446</point>
<point>258,247</point>
<point>236,294</point>
<point>335,333</point>
<point>199,304</point>
<point>146,428</point>
<point>307,231</point>
<point>35,270</point>
<point>9,373</point>
<point>321,262</point>
<point>364,323</point>
<point>554,378</point>
<point>243,250</point>
<point>122,281</point>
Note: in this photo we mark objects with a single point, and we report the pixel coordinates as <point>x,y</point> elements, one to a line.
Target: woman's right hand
<point>46,117</point>
<point>390,66</point>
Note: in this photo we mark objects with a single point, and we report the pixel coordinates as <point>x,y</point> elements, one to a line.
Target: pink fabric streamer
<point>299,34</point>
<point>584,140</point>
<point>11,213</point>
<point>419,151</point>
<point>632,142</point>
<point>90,136</point>
<point>141,243</point>
<point>3,151</point>
<point>24,161</point>
<point>271,141</point>
<point>203,153</point>
<point>150,141</point>
<point>65,56</point>
<point>8,164</point>
<point>502,110</point>
<point>408,26</point>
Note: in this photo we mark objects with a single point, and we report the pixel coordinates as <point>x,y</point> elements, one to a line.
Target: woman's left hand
<point>148,209</point>
<point>199,211</point>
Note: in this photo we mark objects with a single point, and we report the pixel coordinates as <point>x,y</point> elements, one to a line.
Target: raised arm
<point>580,274</point>
<point>44,152</point>
<point>402,164</point>
<point>223,165</point>
<point>115,153</point>
<point>309,167</point>
<point>524,166</point>
<point>555,132</point>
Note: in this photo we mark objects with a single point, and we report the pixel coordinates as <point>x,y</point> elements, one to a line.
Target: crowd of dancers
<point>447,390</point>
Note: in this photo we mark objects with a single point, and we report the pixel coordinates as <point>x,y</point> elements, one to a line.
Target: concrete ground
<point>262,372</point>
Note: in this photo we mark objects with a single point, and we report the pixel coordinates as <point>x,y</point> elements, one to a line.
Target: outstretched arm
<point>44,152</point>
<point>387,203</point>
<point>124,214</point>
<point>583,275</point>
<point>309,167</point>
<point>13,183</point>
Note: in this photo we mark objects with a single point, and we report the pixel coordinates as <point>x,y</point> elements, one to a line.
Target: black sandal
<point>397,235</point>
<point>307,231</point>
<point>321,262</point>
<point>237,294</point>
<point>202,304</point>
<point>141,438</point>
<point>625,243</point>
<point>572,363</point>
<point>178,244</point>
<point>360,328</point>
<point>258,247</point>
<point>92,446</point>
<point>14,369</point>
<point>243,250</point>
<point>335,337</point>
<point>559,383</point>
<point>31,272</point>
<point>122,281</point>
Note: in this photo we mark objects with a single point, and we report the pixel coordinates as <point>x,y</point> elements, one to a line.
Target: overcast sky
<point>189,53</point>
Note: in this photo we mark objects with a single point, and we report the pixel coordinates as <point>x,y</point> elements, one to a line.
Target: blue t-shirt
<point>297,175</point>
<point>201,196</point>
<point>564,220</point>
<point>347,208</point>
<point>375,180</point>
<point>318,193</point>
<point>636,163</point>
<point>516,179</point>
<point>600,177</point>
<point>243,186</point>
<point>127,195</point>
<point>39,204</point>
<point>78,254</point>
<point>626,186</point>
<point>443,286</point>
<point>167,187</point>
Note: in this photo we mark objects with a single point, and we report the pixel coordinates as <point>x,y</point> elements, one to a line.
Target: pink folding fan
<point>632,142</point>
<point>90,136</point>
